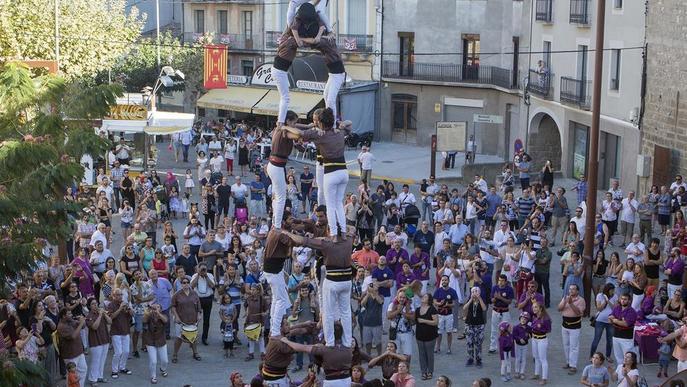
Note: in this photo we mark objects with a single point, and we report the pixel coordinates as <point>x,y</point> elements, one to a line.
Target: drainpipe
<point>529,66</point>
<point>381,71</point>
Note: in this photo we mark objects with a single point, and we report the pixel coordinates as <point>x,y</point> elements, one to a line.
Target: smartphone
<point>33,328</point>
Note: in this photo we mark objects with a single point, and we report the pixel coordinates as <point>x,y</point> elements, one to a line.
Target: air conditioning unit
<point>643,166</point>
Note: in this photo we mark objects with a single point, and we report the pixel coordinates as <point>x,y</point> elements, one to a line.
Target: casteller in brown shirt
<point>337,255</point>
<point>155,334</point>
<point>276,253</point>
<point>187,306</point>
<point>281,147</point>
<point>278,356</point>
<point>331,144</point>
<point>121,323</point>
<point>100,335</point>
<point>336,360</point>
<point>69,346</point>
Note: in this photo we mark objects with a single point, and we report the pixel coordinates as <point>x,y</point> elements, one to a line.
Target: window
<point>617,4</point>
<point>546,56</point>
<point>615,69</point>
<point>222,22</point>
<point>199,17</point>
<point>247,67</point>
<point>357,17</point>
<point>248,24</point>
<point>582,51</point>
<point>471,49</point>
<point>406,53</point>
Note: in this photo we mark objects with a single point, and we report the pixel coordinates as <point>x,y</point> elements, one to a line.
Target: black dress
<point>243,155</point>
<point>547,178</point>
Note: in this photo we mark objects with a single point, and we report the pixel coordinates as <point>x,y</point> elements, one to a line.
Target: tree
<point>139,68</point>
<point>46,127</point>
<point>93,34</point>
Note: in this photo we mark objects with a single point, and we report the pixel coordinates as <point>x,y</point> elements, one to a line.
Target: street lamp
<point>163,79</point>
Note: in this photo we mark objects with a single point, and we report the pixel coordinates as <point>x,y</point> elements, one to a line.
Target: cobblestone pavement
<point>214,369</point>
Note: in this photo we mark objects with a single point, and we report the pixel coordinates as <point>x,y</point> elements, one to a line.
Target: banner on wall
<point>215,69</point>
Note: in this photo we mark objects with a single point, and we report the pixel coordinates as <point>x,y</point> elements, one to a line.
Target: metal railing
<point>448,72</point>
<point>579,12</point>
<point>234,41</point>
<point>576,92</point>
<point>345,42</point>
<point>544,11</point>
<point>540,83</point>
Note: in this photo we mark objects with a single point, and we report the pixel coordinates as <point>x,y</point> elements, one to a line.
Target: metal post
<point>593,158</point>
<point>433,156</point>
<point>157,31</point>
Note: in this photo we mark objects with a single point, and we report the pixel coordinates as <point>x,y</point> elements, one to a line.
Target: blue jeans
<point>599,328</point>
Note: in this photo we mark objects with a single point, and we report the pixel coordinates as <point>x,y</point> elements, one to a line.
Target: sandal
<point>164,373</point>
<point>430,376</point>
<point>196,356</point>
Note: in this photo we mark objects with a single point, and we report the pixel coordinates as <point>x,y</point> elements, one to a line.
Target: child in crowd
<point>665,352</point>
<point>185,205</point>
<point>506,351</point>
<point>521,336</point>
<point>227,313</point>
<point>188,183</point>
<point>170,253</point>
<point>72,376</point>
<point>194,212</point>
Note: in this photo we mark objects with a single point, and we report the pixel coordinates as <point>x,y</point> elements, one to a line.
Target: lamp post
<point>163,79</point>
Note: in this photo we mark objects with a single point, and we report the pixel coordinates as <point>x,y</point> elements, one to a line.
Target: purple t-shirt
<point>419,271</point>
<point>448,295</point>
<point>395,259</point>
<point>541,326</point>
<point>521,334</point>
<point>538,298</point>
<point>403,279</point>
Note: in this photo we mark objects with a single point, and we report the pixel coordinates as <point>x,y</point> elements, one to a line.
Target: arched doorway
<point>544,142</point>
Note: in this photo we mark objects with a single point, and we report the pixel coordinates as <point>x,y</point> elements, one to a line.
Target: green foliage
<point>15,372</point>
<point>93,34</point>
<point>45,132</point>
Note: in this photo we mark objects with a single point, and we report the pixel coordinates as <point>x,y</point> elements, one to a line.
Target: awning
<point>169,122</point>
<point>128,126</point>
<point>301,103</point>
<point>238,99</point>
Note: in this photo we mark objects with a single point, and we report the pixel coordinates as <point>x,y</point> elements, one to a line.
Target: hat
<point>525,315</point>
<point>504,326</point>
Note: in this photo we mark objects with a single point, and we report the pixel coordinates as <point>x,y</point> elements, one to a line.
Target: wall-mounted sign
<point>128,112</point>
<point>487,119</point>
<point>237,79</point>
<point>451,136</point>
<point>263,76</point>
<point>310,85</point>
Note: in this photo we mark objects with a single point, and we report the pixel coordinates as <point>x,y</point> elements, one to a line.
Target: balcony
<point>349,43</point>
<point>544,11</point>
<point>540,84</point>
<point>448,72</point>
<point>576,92</point>
<point>234,41</point>
<point>579,12</point>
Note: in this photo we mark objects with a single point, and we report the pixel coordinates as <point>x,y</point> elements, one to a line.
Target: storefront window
<point>581,133</point>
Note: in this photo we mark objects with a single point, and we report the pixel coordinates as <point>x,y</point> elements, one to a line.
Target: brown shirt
<point>255,305</point>
<point>337,255</point>
<point>121,324</point>
<point>276,250</point>
<point>335,359</point>
<point>187,306</point>
<point>308,225</point>
<point>99,336</point>
<point>155,334</point>
<point>278,356</point>
<point>330,142</point>
<point>69,346</point>
<point>281,144</point>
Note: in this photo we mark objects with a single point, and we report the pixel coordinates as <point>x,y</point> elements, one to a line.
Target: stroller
<point>411,215</point>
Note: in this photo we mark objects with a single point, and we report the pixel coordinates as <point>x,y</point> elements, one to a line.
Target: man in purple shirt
<point>674,268</point>
<point>502,295</point>
<point>419,262</point>
<point>396,256</point>
<point>623,319</point>
<point>529,297</point>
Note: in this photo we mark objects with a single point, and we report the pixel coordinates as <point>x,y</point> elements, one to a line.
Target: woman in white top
<point>627,276</point>
<point>471,209</point>
<point>510,254</point>
<point>626,374</point>
<point>229,154</point>
<point>202,164</point>
<point>605,301</point>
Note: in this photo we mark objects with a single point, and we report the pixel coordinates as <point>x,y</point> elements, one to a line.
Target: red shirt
<point>161,265</point>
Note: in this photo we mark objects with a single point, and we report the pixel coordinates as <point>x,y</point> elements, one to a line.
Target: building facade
<point>559,69</point>
<point>236,23</point>
<point>447,62</point>
<point>664,124</point>
<point>170,14</point>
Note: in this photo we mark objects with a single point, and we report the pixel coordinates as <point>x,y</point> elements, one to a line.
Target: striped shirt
<point>525,206</point>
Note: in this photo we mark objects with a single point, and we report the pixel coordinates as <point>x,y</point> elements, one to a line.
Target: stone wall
<point>665,116</point>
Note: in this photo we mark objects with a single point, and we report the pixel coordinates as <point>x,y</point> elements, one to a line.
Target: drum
<point>253,331</point>
<point>189,332</point>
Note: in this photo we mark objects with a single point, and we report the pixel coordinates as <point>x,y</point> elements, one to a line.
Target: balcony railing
<point>576,92</point>
<point>234,41</point>
<point>544,10</point>
<point>447,72</point>
<point>345,42</point>
<point>540,83</point>
<point>579,12</point>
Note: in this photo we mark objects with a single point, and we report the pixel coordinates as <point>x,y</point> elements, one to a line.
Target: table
<point>647,341</point>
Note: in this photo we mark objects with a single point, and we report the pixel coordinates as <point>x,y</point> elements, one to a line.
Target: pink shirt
<point>408,381</point>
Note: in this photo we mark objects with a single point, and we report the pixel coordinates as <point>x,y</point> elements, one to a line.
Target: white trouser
<point>385,307</point>
<point>520,359</point>
<point>156,354</point>
<point>120,344</point>
<point>81,367</point>
<point>321,9</point>
<point>319,179</point>
<point>672,289</point>
<point>337,383</point>
<point>334,191</point>
<point>280,301</point>
<point>281,78</point>
<point>424,286</point>
<point>331,90</point>
<point>84,336</point>
<point>620,347</point>
<point>496,319</point>
<point>637,301</point>
<point>506,364</point>
<point>98,357</point>
<point>278,177</point>
<point>336,297</point>
<point>541,363</point>
<point>404,341</point>
<point>571,345</point>
<point>251,346</point>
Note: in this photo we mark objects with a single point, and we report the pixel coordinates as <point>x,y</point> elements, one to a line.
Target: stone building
<point>664,121</point>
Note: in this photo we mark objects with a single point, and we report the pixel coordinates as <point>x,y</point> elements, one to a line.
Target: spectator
<point>403,378</point>
<point>626,374</point>
<point>474,310</point>
<point>596,374</point>
<point>427,320</point>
